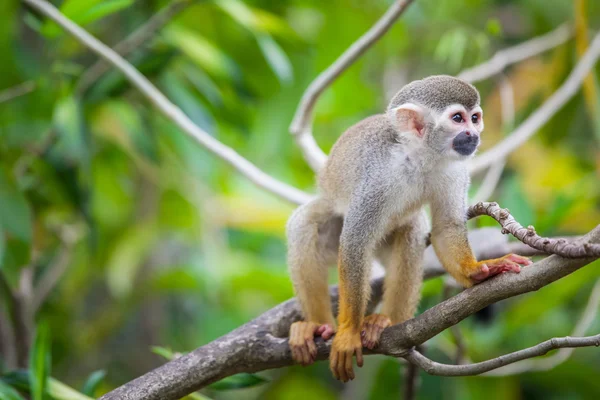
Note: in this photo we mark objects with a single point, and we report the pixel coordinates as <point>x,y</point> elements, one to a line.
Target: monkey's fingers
<point>326,331</point>
<point>301,342</point>
<point>518,259</point>
<point>373,326</point>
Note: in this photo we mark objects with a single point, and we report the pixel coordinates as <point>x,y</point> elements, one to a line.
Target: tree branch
<point>300,126</point>
<point>132,42</point>
<point>587,318</point>
<point>515,54</point>
<point>262,343</point>
<point>17,91</point>
<point>562,247</point>
<point>543,114</point>
<point>170,110</point>
<point>435,368</point>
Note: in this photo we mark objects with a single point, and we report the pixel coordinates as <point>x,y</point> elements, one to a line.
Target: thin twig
<point>543,114</point>
<point>515,54</point>
<point>585,321</point>
<point>17,91</point>
<point>170,110</point>
<point>435,368</point>
<point>301,124</point>
<point>132,42</point>
<point>411,381</point>
<point>17,313</point>
<point>561,247</point>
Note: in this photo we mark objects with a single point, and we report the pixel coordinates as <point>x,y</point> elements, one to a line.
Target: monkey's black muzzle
<point>465,143</point>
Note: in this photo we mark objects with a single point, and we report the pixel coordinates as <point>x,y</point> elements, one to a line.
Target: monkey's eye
<point>475,118</point>
<point>457,118</point>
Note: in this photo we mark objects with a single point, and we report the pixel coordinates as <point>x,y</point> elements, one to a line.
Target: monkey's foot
<point>508,263</point>
<point>302,340</point>
<point>372,327</point>
<point>346,343</point>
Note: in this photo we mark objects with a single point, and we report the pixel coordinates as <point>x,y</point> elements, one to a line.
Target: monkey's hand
<point>302,340</point>
<point>372,327</point>
<point>488,268</point>
<point>346,343</point>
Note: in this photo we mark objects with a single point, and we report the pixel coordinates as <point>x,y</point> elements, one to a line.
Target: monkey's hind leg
<point>313,239</point>
<point>402,256</point>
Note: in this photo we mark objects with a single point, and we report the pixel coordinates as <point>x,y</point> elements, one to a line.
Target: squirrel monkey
<point>379,175</point>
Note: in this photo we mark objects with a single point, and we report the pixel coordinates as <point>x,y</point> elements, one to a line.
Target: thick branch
<point>262,344</point>
<point>543,114</point>
<point>170,110</point>
<point>434,368</point>
<point>300,126</point>
<point>562,247</point>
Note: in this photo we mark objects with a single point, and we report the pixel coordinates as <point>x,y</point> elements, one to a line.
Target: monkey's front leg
<point>353,269</point>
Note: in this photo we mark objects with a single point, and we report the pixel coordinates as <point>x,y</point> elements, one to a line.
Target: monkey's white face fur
<point>453,133</point>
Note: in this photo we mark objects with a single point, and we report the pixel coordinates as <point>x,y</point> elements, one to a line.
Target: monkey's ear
<point>410,118</point>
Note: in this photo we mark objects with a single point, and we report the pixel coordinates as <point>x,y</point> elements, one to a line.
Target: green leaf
<point>204,53</point>
<point>276,58</point>
<point>39,361</point>
<point>93,381</point>
<point>2,247</point>
<point>61,391</point>
<point>163,352</point>
<point>8,393</point>
<point>55,389</point>
<point>125,260</point>
<point>15,214</point>
<point>84,12</point>
<point>239,381</point>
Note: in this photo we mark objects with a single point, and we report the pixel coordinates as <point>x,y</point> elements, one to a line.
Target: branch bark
<point>562,247</point>
<point>262,344</point>
<point>585,321</point>
<point>170,110</point>
<point>435,368</point>
<point>301,124</point>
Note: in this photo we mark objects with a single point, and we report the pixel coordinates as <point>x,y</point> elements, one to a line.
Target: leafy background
<point>165,245</point>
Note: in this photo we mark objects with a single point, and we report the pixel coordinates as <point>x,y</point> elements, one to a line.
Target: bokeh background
<point>118,233</point>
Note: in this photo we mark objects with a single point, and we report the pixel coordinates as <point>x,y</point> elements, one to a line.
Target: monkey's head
<point>439,113</point>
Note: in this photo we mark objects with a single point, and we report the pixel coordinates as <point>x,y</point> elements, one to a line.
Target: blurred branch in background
<point>16,91</point>
<point>543,114</point>
<point>301,124</point>
<point>170,110</point>
<point>69,236</point>
<point>132,42</point>
<point>515,54</point>
<point>492,178</point>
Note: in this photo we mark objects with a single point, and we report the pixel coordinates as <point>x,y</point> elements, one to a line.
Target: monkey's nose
<point>464,143</point>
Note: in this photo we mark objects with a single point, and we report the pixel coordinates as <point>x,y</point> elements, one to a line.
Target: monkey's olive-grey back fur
<point>436,93</point>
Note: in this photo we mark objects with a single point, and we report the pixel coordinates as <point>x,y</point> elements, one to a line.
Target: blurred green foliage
<point>163,244</point>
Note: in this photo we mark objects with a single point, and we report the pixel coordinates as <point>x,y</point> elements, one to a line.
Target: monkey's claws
<point>372,327</point>
<point>345,345</point>
<point>489,268</point>
<point>302,340</point>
